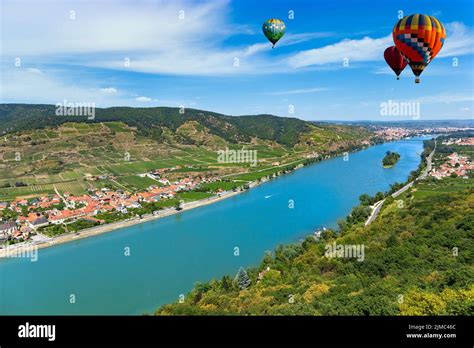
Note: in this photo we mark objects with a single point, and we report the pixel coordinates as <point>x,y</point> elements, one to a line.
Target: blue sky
<point>212,55</point>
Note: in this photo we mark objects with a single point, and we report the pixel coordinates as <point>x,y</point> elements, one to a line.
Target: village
<point>393,133</point>
<point>32,216</point>
<point>397,133</point>
<point>455,165</point>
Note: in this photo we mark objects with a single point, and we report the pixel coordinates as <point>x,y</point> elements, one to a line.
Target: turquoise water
<point>169,255</point>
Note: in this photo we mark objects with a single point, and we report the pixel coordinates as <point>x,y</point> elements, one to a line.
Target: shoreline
<point>15,249</point>
<point>12,250</point>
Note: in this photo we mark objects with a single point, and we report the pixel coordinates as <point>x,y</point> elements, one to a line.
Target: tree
<point>226,283</point>
<point>390,158</point>
<point>342,224</point>
<point>379,196</point>
<point>364,199</point>
<point>395,187</point>
<point>243,279</point>
<point>358,214</point>
<point>422,303</point>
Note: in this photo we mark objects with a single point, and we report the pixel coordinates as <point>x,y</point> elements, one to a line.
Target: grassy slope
<point>409,266</point>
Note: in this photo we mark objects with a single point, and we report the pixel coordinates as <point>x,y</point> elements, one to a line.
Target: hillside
<point>41,151</point>
<point>156,122</point>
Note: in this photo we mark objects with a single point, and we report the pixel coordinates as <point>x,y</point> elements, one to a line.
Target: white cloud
<point>39,88</point>
<point>35,71</point>
<point>26,85</point>
<point>43,88</point>
<point>298,91</point>
<point>459,40</point>
<point>105,26</point>
<point>366,49</point>
<point>143,99</point>
<point>108,90</point>
<point>155,39</point>
<point>292,39</point>
<point>152,36</point>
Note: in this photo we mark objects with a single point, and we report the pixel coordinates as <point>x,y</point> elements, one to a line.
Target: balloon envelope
<point>395,60</point>
<point>274,29</point>
<point>419,38</point>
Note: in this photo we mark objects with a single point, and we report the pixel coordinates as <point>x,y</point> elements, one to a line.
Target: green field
<point>446,185</point>
<point>76,187</point>
<point>193,196</point>
<point>224,185</point>
<point>9,194</point>
<point>137,183</point>
<point>252,176</point>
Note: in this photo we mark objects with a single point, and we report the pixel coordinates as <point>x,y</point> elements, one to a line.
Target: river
<point>168,256</point>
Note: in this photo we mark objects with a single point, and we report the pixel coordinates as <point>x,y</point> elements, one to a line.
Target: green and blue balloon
<point>274,29</point>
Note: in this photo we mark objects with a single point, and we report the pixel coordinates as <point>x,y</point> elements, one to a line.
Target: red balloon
<point>395,60</point>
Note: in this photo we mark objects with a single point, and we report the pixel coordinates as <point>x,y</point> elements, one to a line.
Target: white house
<point>8,227</point>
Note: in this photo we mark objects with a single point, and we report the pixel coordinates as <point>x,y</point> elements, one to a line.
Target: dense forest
<point>417,259</point>
<point>152,122</point>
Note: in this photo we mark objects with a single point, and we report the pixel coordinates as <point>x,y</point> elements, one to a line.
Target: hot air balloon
<point>395,60</point>
<point>274,29</point>
<point>419,38</point>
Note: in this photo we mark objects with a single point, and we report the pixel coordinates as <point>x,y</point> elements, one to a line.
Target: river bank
<point>23,248</point>
<point>45,242</point>
<point>168,256</point>
<point>93,231</point>
<point>424,173</point>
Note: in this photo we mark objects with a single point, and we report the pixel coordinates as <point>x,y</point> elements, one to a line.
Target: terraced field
<point>64,157</point>
<point>9,193</point>
<point>68,155</point>
<point>136,183</point>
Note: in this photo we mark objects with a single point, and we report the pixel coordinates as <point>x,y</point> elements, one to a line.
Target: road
<point>375,211</point>
<point>403,189</point>
<point>428,168</point>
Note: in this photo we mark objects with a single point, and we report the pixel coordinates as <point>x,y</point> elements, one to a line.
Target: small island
<point>390,159</point>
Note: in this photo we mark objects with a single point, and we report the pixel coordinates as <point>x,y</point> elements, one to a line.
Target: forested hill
<point>154,122</point>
